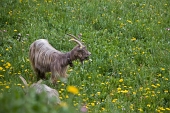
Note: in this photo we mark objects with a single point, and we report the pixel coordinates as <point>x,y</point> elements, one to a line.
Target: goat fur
<point>45,58</point>
<point>40,88</point>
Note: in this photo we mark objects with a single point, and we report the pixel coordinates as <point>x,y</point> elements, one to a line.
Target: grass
<point>129,69</point>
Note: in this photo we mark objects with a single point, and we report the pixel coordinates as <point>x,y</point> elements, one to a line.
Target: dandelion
<point>103,108</point>
<point>148,105</point>
<point>159,75</point>
<point>72,89</point>
<point>166,79</point>
<point>158,84</point>
<point>154,86</point>
<point>61,98</point>
<point>134,93</point>
<point>131,106</point>
<point>166,91</point>
<point>1,68</point>
<point>89,77</point>
<point>98,93</point>
<point>140,109</point>
<point>121,80</point>
<point>18,84</point>
<point>163,69</point>
<point>102,83</point>
<point>167,109</point>
<point>70,70</point>
<point>92,104</point>
<point>129,21</point>
<point>124,91</point>
<point>114,100</point>
<point>67,96</point>
<point>63,104</point>
<point>7,87</point>
<point>15,30</point>
<point>141,89</point>
<point>133,39</point>
<point>161,108</point>
<point>118,89</point>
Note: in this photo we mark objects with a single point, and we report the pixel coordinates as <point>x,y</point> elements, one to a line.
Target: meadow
<point>128,71</point>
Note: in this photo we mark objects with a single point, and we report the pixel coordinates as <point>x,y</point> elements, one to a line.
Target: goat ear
<point>80,49</point>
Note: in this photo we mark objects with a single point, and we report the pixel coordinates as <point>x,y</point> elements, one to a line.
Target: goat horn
<point>72,36</point>
<point>81,45</point>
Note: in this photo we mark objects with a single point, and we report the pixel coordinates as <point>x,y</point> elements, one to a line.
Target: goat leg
<point>53,77</point>
<point>40,75</point>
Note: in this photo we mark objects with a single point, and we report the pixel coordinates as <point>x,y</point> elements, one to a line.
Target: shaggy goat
<point>44,58</point>
<point>40,88</point>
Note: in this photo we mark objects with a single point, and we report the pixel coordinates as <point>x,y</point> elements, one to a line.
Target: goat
<point>45,58</point>
<point>40,88</point>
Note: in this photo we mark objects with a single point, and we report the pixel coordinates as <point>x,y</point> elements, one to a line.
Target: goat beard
<point>82,60</point>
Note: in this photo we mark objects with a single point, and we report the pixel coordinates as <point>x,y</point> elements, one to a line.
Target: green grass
<point>129,69</point>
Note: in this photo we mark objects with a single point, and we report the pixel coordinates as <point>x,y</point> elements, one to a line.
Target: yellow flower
<point>163,69</point>
<point>154,86</point>
<point>114,100</point>
<point>159,22</point>
<point>168,109</point>
<point>8,64</point>
<point>121,80</point>
<point>161,108</point>
<point>133,39</point>
<point>7,87</point>
<point>67,96</point>
<point>118,89</point>
<point>63,104</point>
<point>92,104</point>
<point>6,67</point>
<point>140,109</point>
<point>166,91</point>
<point>124,91</point>
<point>134,93</point>
<point>148,105</point>
<point>166,78</point>
<point>129,21</point>
<point>158,84</point>
<point>98,93</point>
<point>1,68</point>
<point>103,108</point>
<point>72,89</point>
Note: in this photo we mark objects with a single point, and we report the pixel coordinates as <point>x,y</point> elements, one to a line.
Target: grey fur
<point>45,58</point>
<point>40,88</point>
